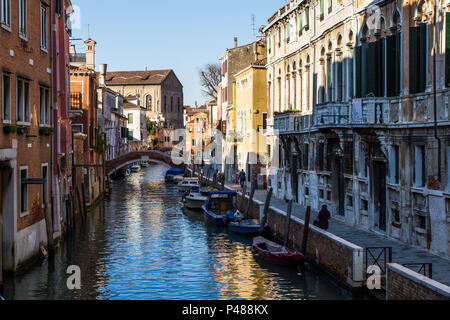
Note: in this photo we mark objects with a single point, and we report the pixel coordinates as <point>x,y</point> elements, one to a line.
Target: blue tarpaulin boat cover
<point>174,172</point>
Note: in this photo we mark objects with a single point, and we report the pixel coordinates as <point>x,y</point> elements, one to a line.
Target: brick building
<point>25,136</point>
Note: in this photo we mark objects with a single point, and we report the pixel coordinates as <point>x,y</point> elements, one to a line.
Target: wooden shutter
<point>364,69</point>
<point>422,57</point>
<point>413,49</point>
<point>371,69</point>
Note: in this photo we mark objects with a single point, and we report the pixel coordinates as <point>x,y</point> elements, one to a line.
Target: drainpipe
<point>55,132</point>
<point>434,95</point>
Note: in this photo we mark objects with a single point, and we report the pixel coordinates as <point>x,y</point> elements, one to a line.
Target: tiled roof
<point>261,62</point>
<point>151,77</point>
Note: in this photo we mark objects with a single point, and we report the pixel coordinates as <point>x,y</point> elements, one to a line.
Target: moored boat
<point>195,200</point>
<point>187,184</point>
<point>218,204</point>
<point>171,173</point>
<point>245,226</point>
<point>274,252</point>
<point>144,165</point>
<point>135,168</point>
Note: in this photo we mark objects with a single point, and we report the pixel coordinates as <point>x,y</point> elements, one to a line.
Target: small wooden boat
<point>218,204</point>
<point>273,252</point>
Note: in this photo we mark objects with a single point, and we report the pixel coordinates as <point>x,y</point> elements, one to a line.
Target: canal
<point>140,244</point>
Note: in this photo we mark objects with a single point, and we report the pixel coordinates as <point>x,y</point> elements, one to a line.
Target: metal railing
<point>423,268</point>
<point>378,256</point>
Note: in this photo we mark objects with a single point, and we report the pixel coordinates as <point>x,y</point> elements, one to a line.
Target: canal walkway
<point>402,253</point>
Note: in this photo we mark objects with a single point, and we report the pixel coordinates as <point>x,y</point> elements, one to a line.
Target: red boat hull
<point>290,257</point>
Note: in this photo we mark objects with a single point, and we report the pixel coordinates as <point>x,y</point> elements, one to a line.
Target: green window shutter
<point>413,59</point>
<point>379,65</point>
<point>358,57</point>
<point>422,56</point>
<point>322,8</point>
<point>393,63</point>
<point>371,75</point>
<point>364,64</point>
<point>307,18</point>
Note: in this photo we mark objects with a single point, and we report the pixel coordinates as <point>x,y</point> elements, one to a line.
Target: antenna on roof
<point>253,26</point>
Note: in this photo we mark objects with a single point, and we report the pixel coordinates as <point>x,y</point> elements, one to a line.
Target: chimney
<point>235,42</point>
<point>90,53</point>
<point>103,68</point>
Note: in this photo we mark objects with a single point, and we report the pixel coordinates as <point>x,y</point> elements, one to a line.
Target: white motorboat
<point>187,184</point>
<point>195,200</point>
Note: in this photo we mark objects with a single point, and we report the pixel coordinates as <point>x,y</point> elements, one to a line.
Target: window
<point>288,32</point>
<point>447,49</point>
<point>44,188</point>
<point>418,58</point>
<point>193,142</point>
<point>23,101</point>
<point>306,157</point>
<point>5,12</point>
<point>44,106</point>
<point>330,6</point>
<point>58,7</point>
<point>264,126</point>
<point>279,37</point>
<point>179,104</point>
<point>165,104</point>
<point>43,27</point>
<point>270,45</point>
<point>148,102</point>
<point>394,164</point>
<point>321,155</point>
<point>307,18</point>
<point>171,104</point>
<point>130,118</point>
<point>23,191</point>
<point>419,166</point>
<point>23,17</point>
<point>6,97</point>
<point>363,168</point>
<point>322,9</point>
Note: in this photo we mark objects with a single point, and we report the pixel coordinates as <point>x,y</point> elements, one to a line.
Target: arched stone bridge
<point>154,156</point>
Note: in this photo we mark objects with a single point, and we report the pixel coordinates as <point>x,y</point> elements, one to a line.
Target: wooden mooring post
<point>288,224</point>
<point>266,210</point>
<point>250,200</point>
<point>306,230</point>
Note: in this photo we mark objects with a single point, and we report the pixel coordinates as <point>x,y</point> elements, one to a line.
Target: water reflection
<point>140,244</point>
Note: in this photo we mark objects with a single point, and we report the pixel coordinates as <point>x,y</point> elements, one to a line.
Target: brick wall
<point>405,284</point>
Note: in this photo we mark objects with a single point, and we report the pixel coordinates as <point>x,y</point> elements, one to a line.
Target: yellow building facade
<point>250,111</point>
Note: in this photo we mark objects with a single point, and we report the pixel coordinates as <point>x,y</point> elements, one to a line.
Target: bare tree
<point>210,78</point>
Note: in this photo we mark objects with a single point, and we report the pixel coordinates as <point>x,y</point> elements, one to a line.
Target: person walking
<point>242,178</point>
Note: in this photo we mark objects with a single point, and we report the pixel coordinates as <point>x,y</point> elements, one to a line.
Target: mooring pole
<point>288,223</point>
<point>250,200</point>
<point>266,210</point>
<point>83,194</point>
<point>306,230</point>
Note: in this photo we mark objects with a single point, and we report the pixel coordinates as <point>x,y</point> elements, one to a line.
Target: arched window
<point>148,102</point>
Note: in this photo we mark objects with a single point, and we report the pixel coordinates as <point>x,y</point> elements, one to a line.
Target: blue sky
<point>175,34</point>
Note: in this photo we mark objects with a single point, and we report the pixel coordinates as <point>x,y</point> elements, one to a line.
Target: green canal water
<point>140,244</point>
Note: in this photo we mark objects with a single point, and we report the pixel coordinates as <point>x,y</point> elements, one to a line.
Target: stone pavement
<point>401,252</point>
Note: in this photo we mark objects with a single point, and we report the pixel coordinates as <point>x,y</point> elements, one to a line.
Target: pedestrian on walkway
<point>322,218</point>
<point>242,178</point>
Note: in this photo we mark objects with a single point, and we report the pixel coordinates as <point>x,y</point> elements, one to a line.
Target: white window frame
<point>26,212</point>
<point>24,102</point>
<point>45,122</point>
<point>7,121</point>
<point>5,16</point>
<point>44,26</point>
<point>23,21</point>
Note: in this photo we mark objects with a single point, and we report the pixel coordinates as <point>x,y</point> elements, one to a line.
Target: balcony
<point>290,122</point>
<point>332,114</point>
<point>371,111</point>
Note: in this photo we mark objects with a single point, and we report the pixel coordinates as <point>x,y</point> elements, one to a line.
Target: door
<point>380,193</point>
